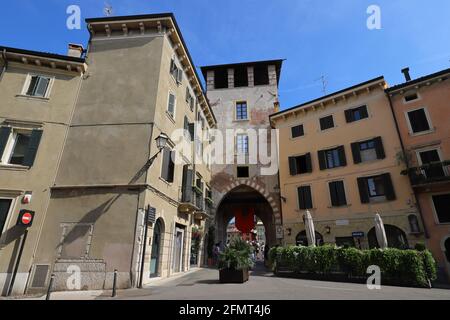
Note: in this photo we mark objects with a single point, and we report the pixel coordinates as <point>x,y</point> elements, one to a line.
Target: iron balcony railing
<point>430,173</point>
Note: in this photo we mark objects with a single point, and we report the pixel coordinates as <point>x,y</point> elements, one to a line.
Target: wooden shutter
<point>340,191</point>
<point>349,115</point>
<point>304,197</point>
<point>342,159</point>
<point>363,190</point>
<point>364,113</point>
<point>172,65</point>
<point>180,76</point>
<point>379,148</point>
<point>187,184</point>
<point>33,145</point>
<point>165,164</point>
<point>4,136</point>
<point>192,130</point>
<point>356,153</point>
<point>333,194</point>
<point>308,162</point>
<point>188,95</point>
<point>293,166</point>
<point>322,160</point>
<point>389,188</point>
<point>308,197</point>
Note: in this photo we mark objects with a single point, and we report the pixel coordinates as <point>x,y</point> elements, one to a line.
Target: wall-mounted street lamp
<point>161,142</point>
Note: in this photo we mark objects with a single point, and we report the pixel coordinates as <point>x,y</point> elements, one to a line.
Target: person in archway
<point>216,252</point>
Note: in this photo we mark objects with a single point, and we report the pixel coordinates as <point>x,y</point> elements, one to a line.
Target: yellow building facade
<point>340,159</point>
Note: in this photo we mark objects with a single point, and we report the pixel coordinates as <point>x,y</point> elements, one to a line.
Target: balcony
<point>187,200</point>
<point>431,173</point>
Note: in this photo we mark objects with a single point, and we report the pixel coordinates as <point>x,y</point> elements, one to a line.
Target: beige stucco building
<point>421,108</point>
<point>38,93</point>
<point>141,85</point>
<point>339,160</point>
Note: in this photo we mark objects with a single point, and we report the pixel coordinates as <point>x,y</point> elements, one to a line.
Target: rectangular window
<point>418,121</point>
<point>243,172</point>
<point>442,207</point>
<point>38,86</point>
<point>242,144</point>
<point>19,147</point>
<point>337,193</point>
<point>176,72</point>
<point>368,150</point>
<point>376,188</point>
<point>326,123</point>
<point>304,198</point>
<point>171,105</point>
<point>241,110</point>
<point>356,114</point>
<point>297,131</point>
<point>300,164</point>
<point>168,165</point>
<point>5,206</point>
<point>261,74</point>
<point>332,158</point>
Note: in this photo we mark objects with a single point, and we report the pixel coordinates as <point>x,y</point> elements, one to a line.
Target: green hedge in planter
<point>408,267</point>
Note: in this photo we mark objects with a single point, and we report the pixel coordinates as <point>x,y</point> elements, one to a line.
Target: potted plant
<point>235,262</point>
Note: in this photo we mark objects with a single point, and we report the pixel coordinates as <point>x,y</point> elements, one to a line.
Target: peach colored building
<point>339,159</point>
<point>422,111</point>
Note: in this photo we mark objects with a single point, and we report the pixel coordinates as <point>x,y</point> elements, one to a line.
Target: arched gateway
<point>244,196</point>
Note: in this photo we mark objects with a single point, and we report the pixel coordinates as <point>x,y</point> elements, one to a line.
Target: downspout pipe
<point>419,207</point>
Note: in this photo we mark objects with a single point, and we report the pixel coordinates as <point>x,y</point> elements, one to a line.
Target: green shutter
<point>349,115</point>
<point>342,159</point>
<point>4,136</point>
<point>333,194</point>
<point>292,166</point>
<point>322,160</point>
<point>308,163</point>
<point>165,164</point>
<point>32,86</point>
<point>33,145</point>
<point>356,153</point>
<point>187,184</point>
<point>389,188</point>
<point>340,191</point>
<point>379,148</point>
<point>363,190</point>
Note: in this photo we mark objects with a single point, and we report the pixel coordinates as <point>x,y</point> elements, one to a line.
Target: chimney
<point>75,50</point>
<point>405,72</point>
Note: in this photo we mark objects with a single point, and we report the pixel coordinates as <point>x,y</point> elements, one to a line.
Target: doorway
<point>178,250</point>
<point>156,250</point>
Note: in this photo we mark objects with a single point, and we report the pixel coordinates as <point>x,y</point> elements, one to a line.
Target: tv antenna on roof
<point>108,9</point>
<point>324,81</point>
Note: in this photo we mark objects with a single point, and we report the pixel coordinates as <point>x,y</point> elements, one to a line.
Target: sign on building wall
<point>279,231</point>
<point>151,214</point>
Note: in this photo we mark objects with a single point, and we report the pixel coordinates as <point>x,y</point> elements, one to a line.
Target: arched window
<point>413,223</point>
<point>302,240</point>
<point>447,249</point>
<point>396,237</point>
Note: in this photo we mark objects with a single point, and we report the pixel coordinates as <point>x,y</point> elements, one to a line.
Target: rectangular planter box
<point>233,276</point>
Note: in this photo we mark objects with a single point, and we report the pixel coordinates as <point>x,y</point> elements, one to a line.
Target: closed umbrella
<point>380,232</point>
<point>309,228</point>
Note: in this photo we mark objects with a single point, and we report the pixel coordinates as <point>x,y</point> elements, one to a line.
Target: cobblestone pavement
<point>203,284</point>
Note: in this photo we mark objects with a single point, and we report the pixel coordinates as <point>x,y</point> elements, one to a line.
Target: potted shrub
<point>235,262</point>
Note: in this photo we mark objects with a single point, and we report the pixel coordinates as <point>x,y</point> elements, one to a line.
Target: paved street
<point>203,284</point>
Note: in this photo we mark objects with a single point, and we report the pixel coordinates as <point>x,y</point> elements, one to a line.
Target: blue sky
<point>316,37</point>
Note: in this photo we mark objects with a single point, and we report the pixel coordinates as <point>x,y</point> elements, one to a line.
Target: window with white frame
<point>171,105</point>
<point>176,71</point>
<point>441,203</point>
<point>5,206</point>
<point>241,110</point>
<point>19,146</point>
<point>418,121</point>
<point>242,144</point>
<point>37,86</point>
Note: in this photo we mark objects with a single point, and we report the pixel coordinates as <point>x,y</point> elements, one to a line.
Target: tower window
<point>261,75</point>
<point>240,76</point>
<point>221,78</point>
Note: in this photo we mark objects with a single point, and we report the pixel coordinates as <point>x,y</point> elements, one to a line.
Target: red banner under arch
<point>245,219</point>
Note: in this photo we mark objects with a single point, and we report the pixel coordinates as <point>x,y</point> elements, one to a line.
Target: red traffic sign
<point>25,218</point>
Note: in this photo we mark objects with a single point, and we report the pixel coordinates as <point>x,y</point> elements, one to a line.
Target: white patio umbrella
<point>309,228</point>
<point>380,232</point>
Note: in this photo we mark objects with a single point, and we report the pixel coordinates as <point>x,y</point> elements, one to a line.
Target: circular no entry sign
<point>26,218</point>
